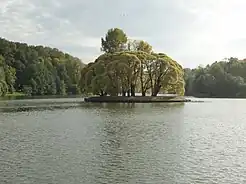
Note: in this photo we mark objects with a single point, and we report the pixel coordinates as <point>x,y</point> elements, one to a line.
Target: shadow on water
<point>130,105</point>
<point>35,108</point>
<point>39,97</point>
<point>39,104</point>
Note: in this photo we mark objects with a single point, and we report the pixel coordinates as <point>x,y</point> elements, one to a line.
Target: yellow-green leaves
<point>120,72</point>
<point>130,66</point>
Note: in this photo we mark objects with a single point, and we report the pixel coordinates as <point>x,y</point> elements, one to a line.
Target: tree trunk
<point>141,80</point>
<point>156,90</point>
<point>101,93</point>
<point>143,91</point>
<point>132,90</point>
<point>123,93</point>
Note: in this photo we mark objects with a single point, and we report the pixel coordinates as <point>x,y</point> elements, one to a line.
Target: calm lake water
<point>65,141</point>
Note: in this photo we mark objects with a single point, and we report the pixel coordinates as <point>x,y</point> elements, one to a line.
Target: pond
<point>67,141</point>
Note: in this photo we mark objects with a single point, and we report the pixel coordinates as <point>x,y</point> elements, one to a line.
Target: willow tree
<point>94,80</point>
<point>139,45</point>
<point>123,69</point>
<point>132,61</point>
<point>118,73</point>
<point>162,71</point>
<point>122,72</point>
<point>143,79</point>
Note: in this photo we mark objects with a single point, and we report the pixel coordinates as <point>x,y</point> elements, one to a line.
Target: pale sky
<point>192,32</point>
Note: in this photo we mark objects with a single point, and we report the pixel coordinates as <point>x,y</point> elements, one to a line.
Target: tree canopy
<point>221,79</point>
<point>130,66</point>
<point>114,41</point>
<point>37,70</point>
<point>126,67</point>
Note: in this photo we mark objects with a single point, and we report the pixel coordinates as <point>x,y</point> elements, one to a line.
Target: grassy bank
<point>15,94</point>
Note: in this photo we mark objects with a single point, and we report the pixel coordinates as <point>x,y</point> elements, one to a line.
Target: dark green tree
<point>221,79</point>
<point>115,41</point>
<point>38,70</point>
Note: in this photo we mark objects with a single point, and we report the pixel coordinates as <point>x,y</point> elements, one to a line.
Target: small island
<point>129,67</point>
<point>136,99</point>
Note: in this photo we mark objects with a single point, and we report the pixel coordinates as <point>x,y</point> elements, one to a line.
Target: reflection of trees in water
<point>113,161</point>
<point>139,142</point>
<point>130,107</point>
<point>167,105</point>
<point>109,106</point>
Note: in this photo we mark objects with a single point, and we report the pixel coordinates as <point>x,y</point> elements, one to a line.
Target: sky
<point>192,32</point>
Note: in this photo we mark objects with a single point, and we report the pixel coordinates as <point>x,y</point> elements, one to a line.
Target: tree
<point>139,45</point>
<point>221,79</point>
<point>123,72</point>
<point>144,46</point>
<point>3,84</point>
<point>10,77</point>
<point>114,41</point>
<point>164,71</point>
<point>38,70</point>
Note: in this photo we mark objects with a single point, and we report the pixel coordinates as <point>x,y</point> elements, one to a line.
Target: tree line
<point>225,78</point>
<point>37,70</point>
<point>125,67</point>
<point>130,66</point>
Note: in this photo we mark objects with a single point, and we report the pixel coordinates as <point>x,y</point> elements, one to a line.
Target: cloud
<point>190,31</point>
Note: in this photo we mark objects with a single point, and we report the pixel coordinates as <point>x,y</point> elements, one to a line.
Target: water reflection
<point>112,168</point>
<point>40,97</point>
<point>39,104</point>
<point>109,105</point>
<point>131,106</point>
<point>136,148</point>
<point>64,103</point>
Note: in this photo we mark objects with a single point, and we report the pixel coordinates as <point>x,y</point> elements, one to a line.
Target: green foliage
<point>139,45</point>
<point>38,70</point>
<point>130,68</point>
<point>220,79</point>
<point>3,84</point>
<point>144,46</point>
<point>114,41</point>
<point>10,77</point>
<point>27,90</point>
<point>125,68</point>
<point>124,72</point>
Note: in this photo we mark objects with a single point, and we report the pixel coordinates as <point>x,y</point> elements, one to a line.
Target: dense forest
<point>130,66</point>
<point>37,70</point>
<point>221,79</point>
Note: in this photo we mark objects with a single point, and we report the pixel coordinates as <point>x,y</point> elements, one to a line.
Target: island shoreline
<point>136,99</point>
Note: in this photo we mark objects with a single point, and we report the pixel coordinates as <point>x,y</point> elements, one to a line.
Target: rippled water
<point>125,143</point>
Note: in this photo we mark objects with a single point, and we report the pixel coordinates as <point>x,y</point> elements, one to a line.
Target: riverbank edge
<point>136,99</point>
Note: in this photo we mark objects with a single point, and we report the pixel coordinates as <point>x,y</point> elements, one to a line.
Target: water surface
<point>123,143</point>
